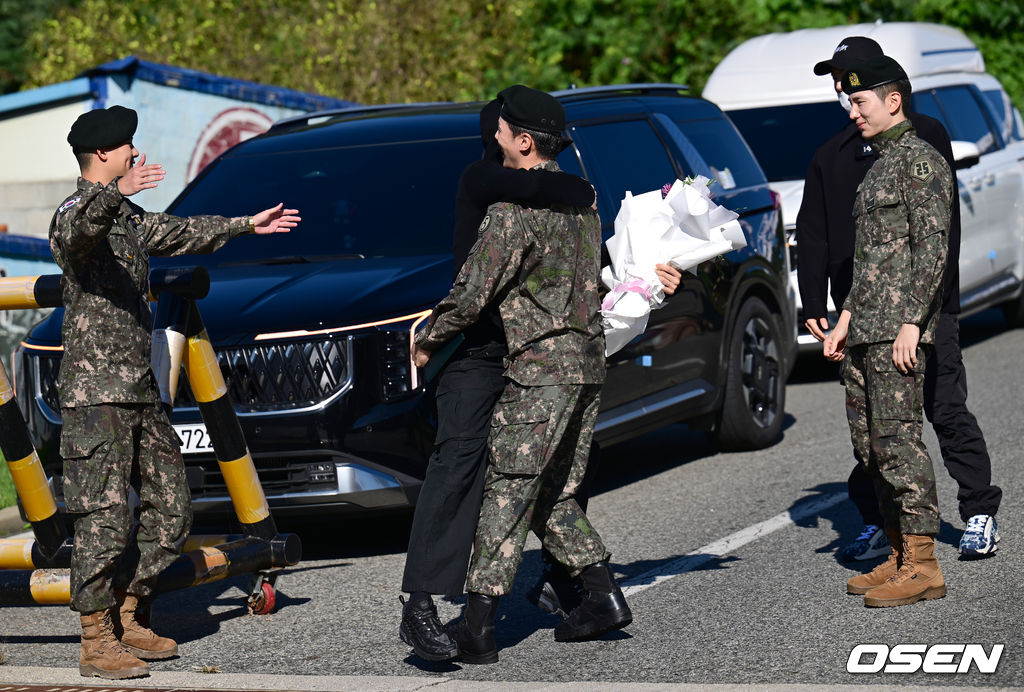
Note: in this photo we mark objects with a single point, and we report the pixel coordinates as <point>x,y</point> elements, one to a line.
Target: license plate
<point>194,438</point>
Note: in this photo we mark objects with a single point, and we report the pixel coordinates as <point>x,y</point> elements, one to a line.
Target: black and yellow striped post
<point>24,553</point>
<point>201,565</point>
<point>36,496</point>
<point>233,458</point>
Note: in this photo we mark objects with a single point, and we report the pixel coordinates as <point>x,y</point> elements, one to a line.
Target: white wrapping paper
<point>683,228</point>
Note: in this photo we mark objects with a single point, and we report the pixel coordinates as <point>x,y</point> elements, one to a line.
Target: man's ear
<point>894,102</point>
<point>525,143</point>
<point>101,155</point>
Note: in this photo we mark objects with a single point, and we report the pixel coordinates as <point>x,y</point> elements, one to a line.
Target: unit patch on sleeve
<point>922,170</point>
<point>67,205</point>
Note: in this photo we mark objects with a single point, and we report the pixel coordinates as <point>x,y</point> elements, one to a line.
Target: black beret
<point>850,51</point>
<point>532,109</point>
<point>103,128</point>
<point>871,73</point>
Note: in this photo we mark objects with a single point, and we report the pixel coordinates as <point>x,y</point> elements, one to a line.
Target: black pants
<point>448,507</point>
<point>960,440</point>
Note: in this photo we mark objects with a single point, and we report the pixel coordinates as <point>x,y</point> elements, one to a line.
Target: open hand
<point>276,220</point>
<point>141,177</point>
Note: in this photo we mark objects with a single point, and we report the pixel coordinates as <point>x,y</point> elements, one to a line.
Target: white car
<point>785,112</point>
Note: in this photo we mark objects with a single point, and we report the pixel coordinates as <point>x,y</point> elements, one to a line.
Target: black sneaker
<point>422,630</point>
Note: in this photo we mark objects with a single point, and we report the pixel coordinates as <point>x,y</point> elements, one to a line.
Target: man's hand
<point>904,349</point>
<point>817,327</point>
<point>669,277</point>
<point>835,343</point>
<point>420,357</point>
<point>141,177</point>
<point>276,220</point>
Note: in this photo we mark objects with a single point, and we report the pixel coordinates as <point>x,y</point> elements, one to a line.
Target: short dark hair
<point>902,86</point>
<point>84,158</point>
<point>548,145</point>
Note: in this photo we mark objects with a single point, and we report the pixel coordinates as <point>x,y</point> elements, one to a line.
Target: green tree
<point>18,19</point>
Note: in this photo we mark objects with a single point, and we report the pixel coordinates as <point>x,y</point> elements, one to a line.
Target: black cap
<point>103,128</point>
<point>851,50</point>
<point>871,73</point>
<point>532,109</point>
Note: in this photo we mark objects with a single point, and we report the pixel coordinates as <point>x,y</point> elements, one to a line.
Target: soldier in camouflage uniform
<point>902,214</point>
<point>115,430</point>
<point>541,266</point>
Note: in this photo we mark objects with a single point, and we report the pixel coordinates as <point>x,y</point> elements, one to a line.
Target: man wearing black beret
<point>114,425</point>
<point>825,231</point>
<point>542,266</point>
<point>888,325</point>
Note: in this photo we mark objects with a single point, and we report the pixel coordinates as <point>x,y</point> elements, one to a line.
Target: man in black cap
<point>114,426</point>
<point>542,266</point>
<point>825,231</point>
<point>887,325</point>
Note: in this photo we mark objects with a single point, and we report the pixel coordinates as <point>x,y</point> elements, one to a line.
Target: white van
<point>785,112</point>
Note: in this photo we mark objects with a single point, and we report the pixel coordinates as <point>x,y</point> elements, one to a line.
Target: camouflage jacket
<point>902,215</point>
<point>542,266</point>
<point>102,243</point>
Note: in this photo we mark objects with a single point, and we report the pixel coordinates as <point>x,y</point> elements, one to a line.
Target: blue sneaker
<point>871,543</point>
<point>981,537</point>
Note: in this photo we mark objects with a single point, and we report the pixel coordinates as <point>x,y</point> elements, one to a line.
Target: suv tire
<point>755,390</point>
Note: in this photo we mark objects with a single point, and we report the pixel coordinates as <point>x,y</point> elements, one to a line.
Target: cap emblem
<point>854,79</point>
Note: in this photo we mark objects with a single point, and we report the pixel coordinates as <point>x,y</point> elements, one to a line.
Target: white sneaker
<point>981,536</point>
<point>871,543</point>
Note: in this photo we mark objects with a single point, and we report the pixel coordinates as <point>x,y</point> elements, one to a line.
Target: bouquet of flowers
<point>677,225</point>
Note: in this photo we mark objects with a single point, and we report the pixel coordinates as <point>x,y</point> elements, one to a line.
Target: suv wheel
<point>1014,312</point>
<point>755,389</point>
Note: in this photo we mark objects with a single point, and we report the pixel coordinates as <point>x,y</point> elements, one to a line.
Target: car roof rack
<point>305,118</point>
<point>613,89</point>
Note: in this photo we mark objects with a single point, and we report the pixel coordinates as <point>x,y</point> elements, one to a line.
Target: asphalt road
<point>760,602</point>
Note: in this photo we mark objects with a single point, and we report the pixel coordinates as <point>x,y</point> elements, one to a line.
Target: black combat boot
<point>474,633</point>
<point>604,607</point>
<point>556,592</point>
<point>422,630</point>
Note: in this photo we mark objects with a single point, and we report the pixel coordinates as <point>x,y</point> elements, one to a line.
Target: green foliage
<point>407,50</point>
<point>8,495</point>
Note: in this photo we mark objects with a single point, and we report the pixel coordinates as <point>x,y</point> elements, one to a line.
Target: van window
<point>375,200</point>
<point>924,103</point>
<point>966,119</point>
<point>621,156</point>
<point>1002,110</point>
<point>784,138</point>
<point>731,161</point>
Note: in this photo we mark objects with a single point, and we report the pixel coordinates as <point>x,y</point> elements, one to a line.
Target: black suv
<point>313,328</point>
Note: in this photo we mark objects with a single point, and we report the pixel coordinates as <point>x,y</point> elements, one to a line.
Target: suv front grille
<point>260,377</point>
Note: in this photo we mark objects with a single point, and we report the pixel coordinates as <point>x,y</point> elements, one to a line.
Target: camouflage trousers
<point>884,408</point>
<point>107,449</point>
<point>538,446</point>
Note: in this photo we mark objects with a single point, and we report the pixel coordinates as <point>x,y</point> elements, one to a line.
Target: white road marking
<point>723,546</point>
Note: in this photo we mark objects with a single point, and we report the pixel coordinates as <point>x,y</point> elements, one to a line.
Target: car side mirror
<point>965,154</point>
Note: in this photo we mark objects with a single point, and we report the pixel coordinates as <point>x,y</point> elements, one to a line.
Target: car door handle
<point>974,184</point>
<point>989,179</point>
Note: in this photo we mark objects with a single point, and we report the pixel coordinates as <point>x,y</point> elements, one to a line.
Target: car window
<point>569,162</point>
<point>1002,110</point>
<point>378,200</point>
<point>966,118</point>
<point>784,138</point>
<point>924,102</point>
<point>731,161</point>
<point>621,156</point>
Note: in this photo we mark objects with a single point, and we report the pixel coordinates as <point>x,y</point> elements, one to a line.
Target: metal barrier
<point>32,571</point>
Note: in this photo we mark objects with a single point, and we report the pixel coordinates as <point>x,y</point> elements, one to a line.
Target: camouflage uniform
<point>902,217</point>
<point>541,265</point>
<point>115,431</point>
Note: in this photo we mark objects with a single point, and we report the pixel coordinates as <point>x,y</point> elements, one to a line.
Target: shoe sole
<point>972,554</point>
<point>926,595</point>
<point>147,655</point>
<point>91,671</point>
<point>622,619</point>
<point>426,655</point>
<point>479,659</point>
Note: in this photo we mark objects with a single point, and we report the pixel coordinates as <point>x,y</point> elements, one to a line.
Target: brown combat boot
<point>102,655</point>
<point>136,637</point>
<point>918,578</point>
<point>863,583</point>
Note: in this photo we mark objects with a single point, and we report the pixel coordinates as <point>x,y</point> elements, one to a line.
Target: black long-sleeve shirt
<point>825,225</point>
